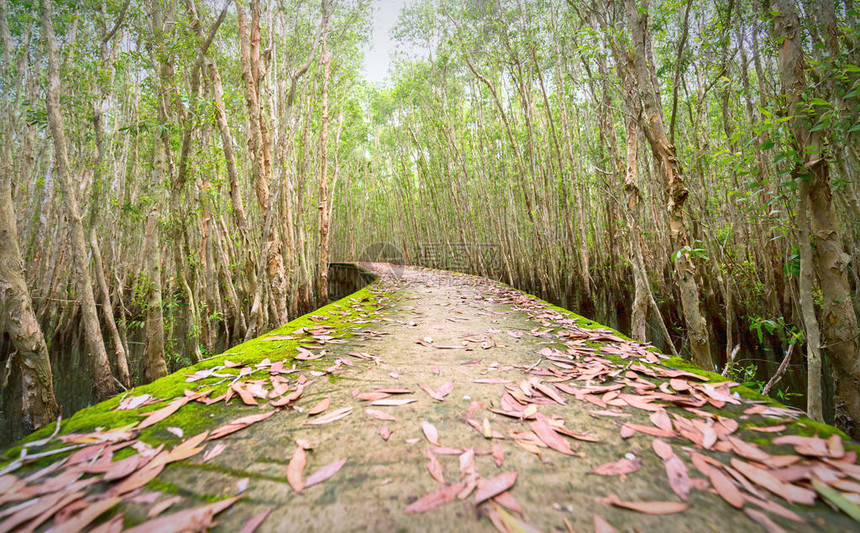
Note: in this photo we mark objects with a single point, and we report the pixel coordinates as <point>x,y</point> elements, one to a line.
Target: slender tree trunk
<point>671,174</point>
<point>103,380</point>
<point>16,310</point>
<point>813,335</point>
<point>322,245</point>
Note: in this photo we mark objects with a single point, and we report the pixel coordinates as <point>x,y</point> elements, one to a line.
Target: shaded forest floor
<point>435,401</point>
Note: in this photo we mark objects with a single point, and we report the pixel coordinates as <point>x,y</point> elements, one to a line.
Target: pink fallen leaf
<point>252,524</point>
<point>646,507</point>
<point>331,417</point>
<point>487,488</point>
<point>239,424</point>
<point>393,402</point>
<point>721,482</point>
<point>242,485</point>
<point>621,467</point>
<point>498,454</point>
<point>189,519</point>
<point>324,473</point>
<point>676,470</point>
<point>430,432</point>
<point>764,521</point>
<point>295,468</point>
<point>320,407</point>
<point>602,526</point>
<point>162,506</point>
<point>380,415</point>
<point>435,467</point>
<point>384,432</point>
<point>548,436</point>
<point>791,493</point>
<point>435,499</point>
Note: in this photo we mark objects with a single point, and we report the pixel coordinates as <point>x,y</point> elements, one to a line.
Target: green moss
<point>195,417</point>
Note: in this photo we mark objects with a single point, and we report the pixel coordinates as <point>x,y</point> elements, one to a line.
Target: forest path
<point>505,369</point>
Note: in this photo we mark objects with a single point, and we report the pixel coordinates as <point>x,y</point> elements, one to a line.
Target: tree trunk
<point>103,384</point>
<point>672,177</point>
<point>322,245</point>
<point>807,306</point>
<point>838,321</point>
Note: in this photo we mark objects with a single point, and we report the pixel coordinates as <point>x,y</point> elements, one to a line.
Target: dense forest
<point>176,176</point>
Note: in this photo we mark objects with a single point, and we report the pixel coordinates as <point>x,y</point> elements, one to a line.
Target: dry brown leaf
<point>238,424</point>
<point>324,473</point>
<point>162,506</point>
<point>80,521</point>
<point>196,519</point>
<point>435,467</point>
<point>384,432</point>
<point>487,488</point>
<point>791,493</point>
<point>621,467</point>
<point>252,524</point>
<point>602,526</point>
<point>646,507</point>
<point>295,469</point>
<point>435,499</point>
<point>380,415</point>
<point>430,432</point>
<point>763,520</point>
<point>331,417</point>
<point>548,436</point>
<point>393,402</point>
<point>498,454</point>
<point>320,407</point>
<point>724,486</point>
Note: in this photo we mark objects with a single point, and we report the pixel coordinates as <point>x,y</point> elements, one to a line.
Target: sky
<point>378,56</point>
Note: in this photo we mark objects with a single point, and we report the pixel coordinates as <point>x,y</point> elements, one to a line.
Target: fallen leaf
<point>393,401</point>
<point>176,431</point>
<point>242,485</point>
<point>487,488</point>
<point>320,407</point>
<point>331,417</point>
<point>602,526</point>
<point>498,454</point>
<point>621,467</point>
<point>435,467</point>
<point>676,470</point>
<point>162,506</point>
<point>430,432</point>
<point>384,432</point>
<point>791,493</point>
<point>324,473</point>
<point>646,507</point>
<point>80,521</point>
<point>763,520</point>
<point>435,499</point>
<point>548,436</point>
<point>295,468</point>
<point>380,415</point>
<point>836,498</point>
<point>238,424</point>
<point>252,524</point>
<point>195,519</point>
<point>724,486</point>
<point>214,451</point>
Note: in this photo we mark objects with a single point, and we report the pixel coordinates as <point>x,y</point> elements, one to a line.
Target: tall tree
<point>103,381</point>
<point>838,321</point>
<point>671,174</point>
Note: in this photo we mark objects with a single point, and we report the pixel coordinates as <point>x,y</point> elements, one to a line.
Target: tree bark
<point>322,245</point>
<point>672,176</point>
<point>838,320</point>
<point>103,384</point>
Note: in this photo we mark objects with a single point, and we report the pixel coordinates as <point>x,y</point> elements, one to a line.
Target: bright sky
<point>378,56</point>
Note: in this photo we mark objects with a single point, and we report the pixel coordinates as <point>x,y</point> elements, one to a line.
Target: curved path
<point>443,402</point>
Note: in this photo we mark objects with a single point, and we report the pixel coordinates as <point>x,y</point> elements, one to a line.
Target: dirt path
<point>505,370</point>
